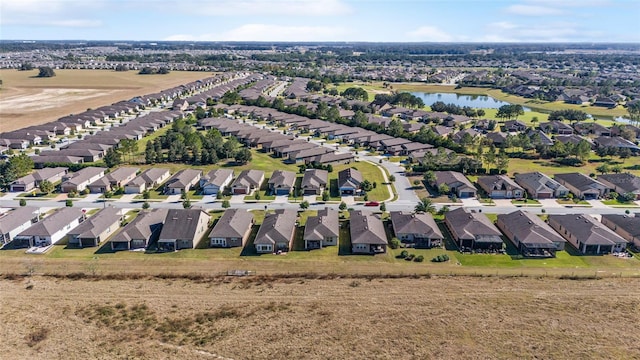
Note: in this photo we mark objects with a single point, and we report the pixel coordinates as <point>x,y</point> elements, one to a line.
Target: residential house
<point>514,126</point>
<point>604,102</point>
<point>587,234</point>
<point>140,232</point>
<point>314,181</point>
<point>33,180</point>
<point>182,181</point>
<point>349,182</point>
<point>282,182</point>
<point>456,182</point>
<point>622,183</point>
<point>624,225</point>
<point>79,180</point>
<point>247,182</point>
<point>15,221</point>
<point>556,127</point>
<point>617,143</point>
<point>276,232</point>
<point>96,228</point>
<point>582,185</point>
<point>368,235</point>
<point>419,229</point>
<point>500,187</point>
<point>540,186</point>
<point>147,180</point>
<point>216,181</point>
<point>322,230</point>
<point>51,229</point>
<point>530,234</point>
<point>113,180</point>
<point>586,128</point>
<point>183,229</point>
<point>472,231</point>
<point>232,229</point>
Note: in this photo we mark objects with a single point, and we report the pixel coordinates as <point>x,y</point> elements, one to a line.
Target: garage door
<point>18,188</point>
<point>239,191</point>
<point>466,194</point>
<point>544,196</point>
<point>282,192</point>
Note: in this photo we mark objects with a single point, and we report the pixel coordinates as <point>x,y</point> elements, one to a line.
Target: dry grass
<point>295,318</point>
<point>26,100</point>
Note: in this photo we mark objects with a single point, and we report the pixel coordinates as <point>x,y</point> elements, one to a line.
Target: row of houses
<point>533,237</point>
<point>538,185</point>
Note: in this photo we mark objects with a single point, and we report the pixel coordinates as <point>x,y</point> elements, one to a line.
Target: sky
<point>323,20</point>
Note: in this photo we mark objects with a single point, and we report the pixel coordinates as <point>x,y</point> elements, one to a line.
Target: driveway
<point>470,202</point>
<point>237,199</point>
<point>280,199</point>
<point>597,204</point>
<point>549,203</point>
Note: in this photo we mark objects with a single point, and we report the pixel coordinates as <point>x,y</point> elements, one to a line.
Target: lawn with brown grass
<point>320,318</point>
<point>27,100</point>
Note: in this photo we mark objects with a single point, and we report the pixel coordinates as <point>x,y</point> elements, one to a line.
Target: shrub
<point>226,204</point>
<point>419,258</point>
<point>403,254</point>
<point>146,205</point>
<point>410,257</point>
<point>69,203</point>
<point>23,202</point>
<point>394,243</point>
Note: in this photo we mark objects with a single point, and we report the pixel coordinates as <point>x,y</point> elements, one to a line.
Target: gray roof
<point>349,177</point>
<point>121,173</point>
<point>630,224</point>
<point>529,229</point>
<point>471,226</point>
<point>84,174</point>
<point>233,224</point>
<point>421,223</point>
<point>143,226</point>
<point>277,227</point>
<point>41,174</point>
<point>54,222</point>
<point>16,217</point>
<point>151,175</point>
<point>326,224</point>
<point>182,223</point>
<point>579,180</point>
<point>249,178</point>
<point>366,228</point>
<point>497,182</point>
<point>538,181</point>
<point>183,177</point>
<point>314,179</point>
<point>587,229</point>
<point>625,181</point>
<point>451,177</point>
<point>282,178</point>
<point>218,176</point>
<point>97,223</point>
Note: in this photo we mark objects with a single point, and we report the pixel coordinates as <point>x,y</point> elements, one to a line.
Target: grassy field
<point>548,167</point>
<point>403,318</point>
<point>28,100</point>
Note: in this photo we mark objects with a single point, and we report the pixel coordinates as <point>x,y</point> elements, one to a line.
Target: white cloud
<point>264,32</point>
<point>533,10</point>
<point>264,7</point>
<point>545,32</point>
<point>430,34</point>
<point>62,13</point>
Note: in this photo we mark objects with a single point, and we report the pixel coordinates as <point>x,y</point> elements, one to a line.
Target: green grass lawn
<point>37,195</point>
<point>369,171</point>
<point>619,203</point>
<point>550,168</point>
<point>528,202</point>
<point>572,202</point>
<point>153,195</point>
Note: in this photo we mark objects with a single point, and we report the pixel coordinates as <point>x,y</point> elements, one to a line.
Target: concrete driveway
<point>237,199</point>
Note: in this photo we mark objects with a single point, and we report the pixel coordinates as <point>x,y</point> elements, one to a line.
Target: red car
<point>372,203</point>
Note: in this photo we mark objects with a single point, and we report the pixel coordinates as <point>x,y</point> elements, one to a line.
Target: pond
<point>474,101</point>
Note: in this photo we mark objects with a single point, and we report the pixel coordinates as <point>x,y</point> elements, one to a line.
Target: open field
<point>326,318</point>
<point>27,100</point>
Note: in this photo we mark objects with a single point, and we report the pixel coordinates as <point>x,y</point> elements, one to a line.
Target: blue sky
<point>323,20</point>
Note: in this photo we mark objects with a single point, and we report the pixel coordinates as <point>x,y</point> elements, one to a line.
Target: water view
<point>474,101</point>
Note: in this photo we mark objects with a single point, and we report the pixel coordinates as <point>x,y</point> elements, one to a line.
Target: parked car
<point>372,203</point>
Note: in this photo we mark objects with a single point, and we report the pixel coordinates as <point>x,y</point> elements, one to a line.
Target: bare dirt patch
<point>296,318</point>
<point>26,100</point>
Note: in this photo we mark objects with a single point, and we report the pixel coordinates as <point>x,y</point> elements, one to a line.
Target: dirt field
<point>297,318</point>
<point>26,100</point>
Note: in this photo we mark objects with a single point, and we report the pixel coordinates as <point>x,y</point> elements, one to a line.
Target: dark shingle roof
<point>366,228</point>
<point>409,223</point>
<point>587,229</point>
<point>234,223</point>
<point>324,225</point>
<point>529,229</point>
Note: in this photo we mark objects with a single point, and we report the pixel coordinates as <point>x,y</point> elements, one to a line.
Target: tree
<point>226,204</point>
<point>342,206</point>
<point>23,202</point>
<point>325,196</point>
<point>392,178</point>
<point>304,205</point>
<point>366,185</point>
<point>150,153</point>
<point>429,177</point>
<point>112,158</point>
<point>443,189</point>
<point>243,156</point>
<point>46,186</point>
<point>20,165</point>
<point>383,207</point>
<point>425,205</point>
<point>26,67</point>
<point>146,194</point>
<point>186,203</point>
<point>69,203</point>
<point>603,169</point>
<point>617,169</point>
<point>128,147</point>
<point>145,205</point>
<point>502,162</point>
<point>45,71</point>
<point>257,195</point>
